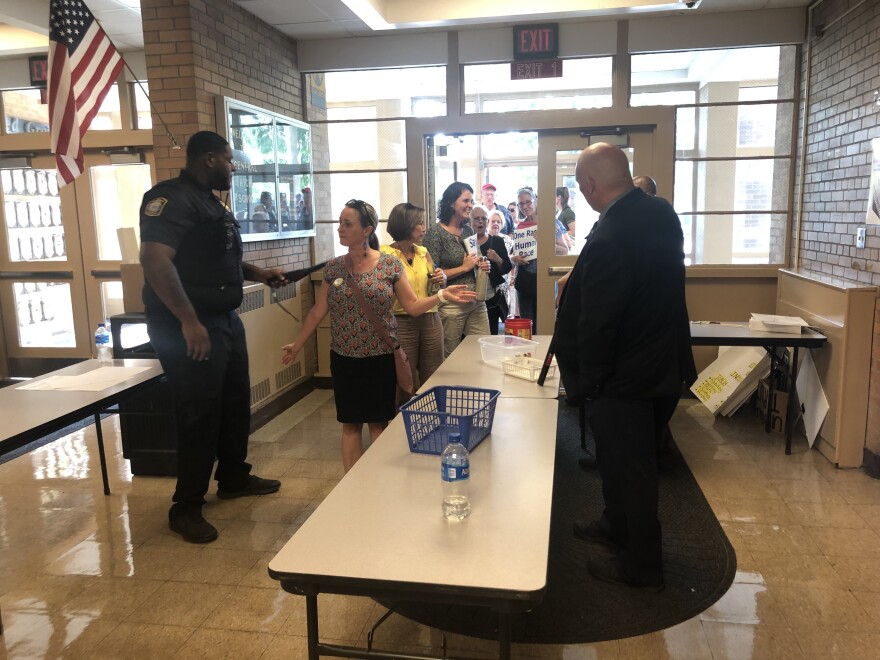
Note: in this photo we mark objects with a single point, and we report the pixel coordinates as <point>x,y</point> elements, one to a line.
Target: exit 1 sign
<point>533,70</point>
<point>536,42</point>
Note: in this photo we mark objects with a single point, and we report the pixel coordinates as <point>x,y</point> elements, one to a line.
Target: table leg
<point>771,388</point>
<point>791,412</point>
<point>312,624</point>
<point>101,453</point>
<point>504,635</point>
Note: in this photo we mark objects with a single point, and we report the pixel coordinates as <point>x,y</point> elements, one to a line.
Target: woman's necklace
<point>409,260</point>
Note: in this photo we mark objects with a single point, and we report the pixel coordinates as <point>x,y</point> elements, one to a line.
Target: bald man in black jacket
<point>623,342</point>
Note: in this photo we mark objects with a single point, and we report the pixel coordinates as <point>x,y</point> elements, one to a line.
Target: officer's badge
<point>155,206</point>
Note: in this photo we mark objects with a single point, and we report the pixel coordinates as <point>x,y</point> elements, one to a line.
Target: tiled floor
<point>88,576</point>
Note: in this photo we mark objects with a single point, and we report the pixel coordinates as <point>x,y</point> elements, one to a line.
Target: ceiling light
<point>368,14</point>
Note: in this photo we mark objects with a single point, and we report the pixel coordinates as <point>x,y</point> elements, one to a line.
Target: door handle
<point>107,274</point>
<point>37,275</point>
<point>558,270</point>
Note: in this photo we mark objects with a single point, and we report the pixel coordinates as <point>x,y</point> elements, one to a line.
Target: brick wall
<point>841,120</point>
<point>199,50</point>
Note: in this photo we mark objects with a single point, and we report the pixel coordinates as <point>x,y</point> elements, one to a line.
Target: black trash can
<point>149,433</point>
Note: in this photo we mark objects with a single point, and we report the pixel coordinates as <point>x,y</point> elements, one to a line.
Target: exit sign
<point>532,70</point>
<point>536,42</point>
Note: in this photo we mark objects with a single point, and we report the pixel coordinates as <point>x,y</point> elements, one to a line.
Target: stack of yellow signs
<point>729,381</point>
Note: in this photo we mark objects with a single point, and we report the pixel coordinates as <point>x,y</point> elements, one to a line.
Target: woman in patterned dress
<point>362,365</point>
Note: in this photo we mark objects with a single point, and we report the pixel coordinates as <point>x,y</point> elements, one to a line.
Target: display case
<point>271,193</point>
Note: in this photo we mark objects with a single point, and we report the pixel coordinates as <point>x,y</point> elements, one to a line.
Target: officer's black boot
<point>187,520</point>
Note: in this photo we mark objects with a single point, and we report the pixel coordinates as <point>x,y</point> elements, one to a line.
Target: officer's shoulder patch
<point>155,206</point>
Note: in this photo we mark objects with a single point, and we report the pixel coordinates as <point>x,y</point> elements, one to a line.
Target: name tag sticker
<point>155,206</point>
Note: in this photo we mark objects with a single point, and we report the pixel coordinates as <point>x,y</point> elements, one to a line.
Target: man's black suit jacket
<point>622,324</point>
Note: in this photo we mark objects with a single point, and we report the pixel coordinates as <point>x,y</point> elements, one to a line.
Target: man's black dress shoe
<point>594,533</point>
<point>254,485</point>
<point>607,570</point>
<point>587,462</point>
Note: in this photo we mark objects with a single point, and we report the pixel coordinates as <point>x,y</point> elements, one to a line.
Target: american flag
<point>83,65</point>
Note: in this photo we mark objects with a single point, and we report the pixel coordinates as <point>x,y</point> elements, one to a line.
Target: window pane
<point>108,117</point>
<point>32,209</point>
<point>381,189</point>
<point>44,314</point>
<point>142,105</point>
<point>585,83</point>
<point>727,131</point>
<point>113,189</point>
<point>375,188</point>
<point>412,92</point>
<point>732,185</point>
<point>735,239</point>
<point>25,112</point>
<point>367,145</point>
<point>713,76</point>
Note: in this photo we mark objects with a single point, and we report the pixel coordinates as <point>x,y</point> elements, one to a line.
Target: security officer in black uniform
<point>191,252</point>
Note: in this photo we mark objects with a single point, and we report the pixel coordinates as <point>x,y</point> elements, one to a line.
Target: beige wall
<point>726,298</point>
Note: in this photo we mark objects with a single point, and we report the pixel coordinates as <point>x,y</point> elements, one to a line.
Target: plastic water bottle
<point>455,469</point>
<point>103,345</point>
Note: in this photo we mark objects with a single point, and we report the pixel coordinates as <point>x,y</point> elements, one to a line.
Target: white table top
<point>24,410</point>
<point>466,367</point>
<point>383,521</point>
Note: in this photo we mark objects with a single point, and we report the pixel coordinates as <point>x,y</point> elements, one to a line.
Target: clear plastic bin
<point>497,347</point>
<point>526,368</point>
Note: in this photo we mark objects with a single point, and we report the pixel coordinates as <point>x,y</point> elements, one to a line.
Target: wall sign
<point>532,70</point>
<point>39,70</point>
<point>536,42</point>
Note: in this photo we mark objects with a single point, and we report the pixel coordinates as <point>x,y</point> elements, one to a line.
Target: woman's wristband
<point>440,296</point>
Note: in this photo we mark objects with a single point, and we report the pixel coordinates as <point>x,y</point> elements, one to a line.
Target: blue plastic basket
<point>432,415</point>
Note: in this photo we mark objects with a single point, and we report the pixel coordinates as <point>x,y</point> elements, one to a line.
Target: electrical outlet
<point>860,237</point>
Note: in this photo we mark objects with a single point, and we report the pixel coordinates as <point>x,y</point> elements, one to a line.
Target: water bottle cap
<point>454,436</point>
<point>100,325</point>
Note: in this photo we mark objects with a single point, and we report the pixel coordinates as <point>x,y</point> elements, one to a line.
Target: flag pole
<point>174,144</point>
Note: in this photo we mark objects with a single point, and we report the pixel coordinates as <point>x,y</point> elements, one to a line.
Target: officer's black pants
<point>626,453</point>
<point>212,404</point>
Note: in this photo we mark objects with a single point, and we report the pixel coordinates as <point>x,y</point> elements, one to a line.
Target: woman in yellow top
<point>421,337</point>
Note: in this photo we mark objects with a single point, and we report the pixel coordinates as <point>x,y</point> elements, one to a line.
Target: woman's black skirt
<point>365,388</point>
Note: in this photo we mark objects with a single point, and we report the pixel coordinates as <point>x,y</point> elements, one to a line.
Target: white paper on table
<point>814,404</point>
<point>91,381</point>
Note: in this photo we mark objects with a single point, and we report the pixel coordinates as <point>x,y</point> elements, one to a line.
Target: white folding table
<point>381,531</point>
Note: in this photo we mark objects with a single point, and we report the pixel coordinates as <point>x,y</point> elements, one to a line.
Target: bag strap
<point>366,309</point>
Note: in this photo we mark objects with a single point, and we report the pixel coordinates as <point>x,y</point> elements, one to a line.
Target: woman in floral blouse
<point>362,365</point>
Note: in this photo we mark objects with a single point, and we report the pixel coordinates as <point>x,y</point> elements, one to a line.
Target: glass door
<point>557,159</point>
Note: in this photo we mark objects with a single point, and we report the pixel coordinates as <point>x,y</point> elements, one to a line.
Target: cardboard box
<point>132,287</point>
<point>778,405</point>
